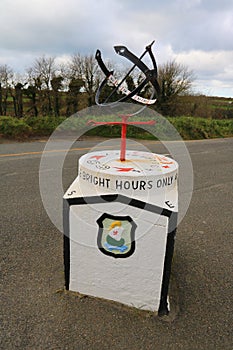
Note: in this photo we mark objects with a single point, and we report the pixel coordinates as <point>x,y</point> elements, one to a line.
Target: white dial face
<point>136,163</point>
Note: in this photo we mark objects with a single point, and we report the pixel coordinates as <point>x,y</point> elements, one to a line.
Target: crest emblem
<point>116,235</point>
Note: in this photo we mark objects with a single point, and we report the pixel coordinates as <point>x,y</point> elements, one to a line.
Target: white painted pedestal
<point>119,227</point>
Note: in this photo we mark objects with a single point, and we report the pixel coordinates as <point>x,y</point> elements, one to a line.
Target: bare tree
<point>175,80</point>
<point>6,75</point>
<point>42,72</point>
<point>86,68</point>
<point>44,67</point>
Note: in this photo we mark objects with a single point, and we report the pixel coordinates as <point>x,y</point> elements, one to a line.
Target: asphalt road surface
<point>36,313</point>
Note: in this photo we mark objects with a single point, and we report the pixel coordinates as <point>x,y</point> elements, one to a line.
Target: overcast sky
<point>197,33</point>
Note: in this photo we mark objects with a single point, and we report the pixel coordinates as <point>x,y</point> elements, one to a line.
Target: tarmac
<point>36,312</point>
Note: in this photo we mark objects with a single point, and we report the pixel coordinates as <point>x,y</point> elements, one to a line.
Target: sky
<point>196,33</point>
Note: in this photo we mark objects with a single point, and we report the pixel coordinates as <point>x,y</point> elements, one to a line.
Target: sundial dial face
<point>141,174</point>
<point>139,163</point>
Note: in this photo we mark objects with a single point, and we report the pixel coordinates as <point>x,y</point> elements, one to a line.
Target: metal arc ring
<point>150,76</point>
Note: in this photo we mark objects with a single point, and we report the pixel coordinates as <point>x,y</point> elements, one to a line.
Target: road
<point>36,312</point>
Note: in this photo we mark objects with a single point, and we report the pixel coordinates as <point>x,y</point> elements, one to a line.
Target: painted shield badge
<point>116,235</point>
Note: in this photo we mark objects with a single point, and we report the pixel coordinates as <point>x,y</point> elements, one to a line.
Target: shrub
<point>43,126</point>
<point>190,128</point>
<point>13,127</point>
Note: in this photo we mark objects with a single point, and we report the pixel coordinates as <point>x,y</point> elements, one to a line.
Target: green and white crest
<point>116,235</point>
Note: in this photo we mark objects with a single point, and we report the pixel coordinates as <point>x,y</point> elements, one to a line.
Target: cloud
<point>206,63</point>
<point>185,25</point>
<point>213,70</point>
<point>196,32</point>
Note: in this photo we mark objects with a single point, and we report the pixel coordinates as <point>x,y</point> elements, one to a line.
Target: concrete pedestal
<point>119,225</point>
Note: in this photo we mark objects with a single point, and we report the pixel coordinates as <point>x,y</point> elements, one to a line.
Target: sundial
<point>120,213</point>
<point>120,89</point>
<point>149,77</point>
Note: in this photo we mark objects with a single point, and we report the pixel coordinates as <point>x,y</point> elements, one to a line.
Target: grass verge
<point>190,128</point>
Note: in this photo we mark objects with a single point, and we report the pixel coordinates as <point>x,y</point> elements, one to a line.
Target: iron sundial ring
<point>150,76</point>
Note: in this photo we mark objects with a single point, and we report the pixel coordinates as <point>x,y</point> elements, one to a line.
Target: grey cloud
<point>57,27</point>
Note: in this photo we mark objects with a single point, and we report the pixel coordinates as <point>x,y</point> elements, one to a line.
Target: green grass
<point>190,128</point>
<point>43,126</point>
<point>11,127</point>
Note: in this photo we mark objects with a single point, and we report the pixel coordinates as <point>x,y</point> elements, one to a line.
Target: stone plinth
<point>119,224</point>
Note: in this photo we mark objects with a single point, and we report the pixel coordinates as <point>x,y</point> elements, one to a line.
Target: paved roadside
<point>37,314</point>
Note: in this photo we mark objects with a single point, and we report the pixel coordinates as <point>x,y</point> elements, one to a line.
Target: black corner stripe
<point>66,243</point>
<point>121,199</point>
